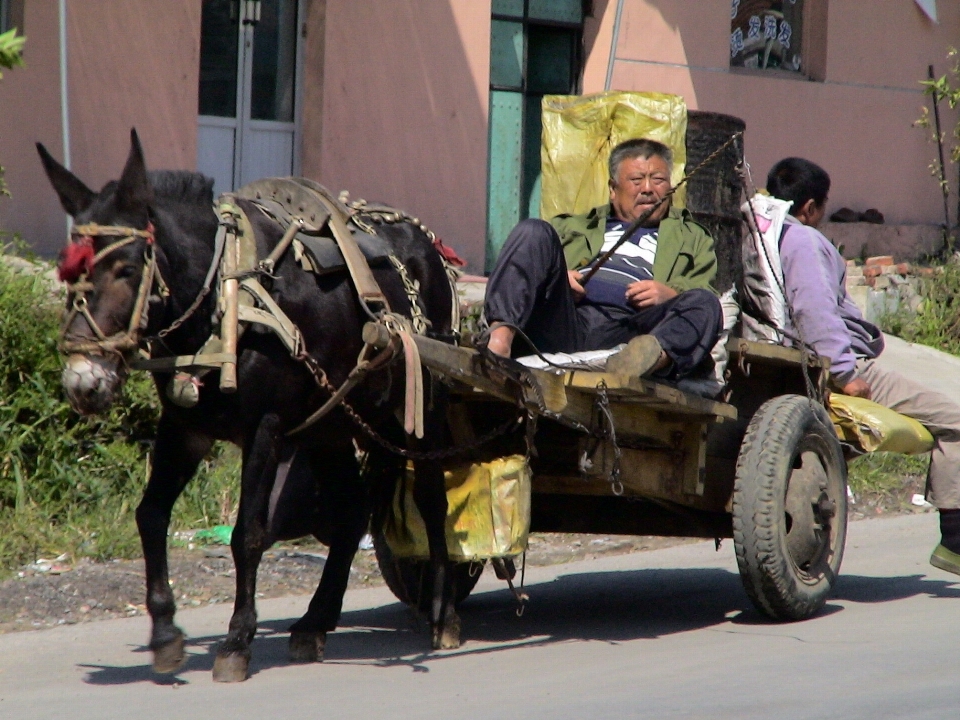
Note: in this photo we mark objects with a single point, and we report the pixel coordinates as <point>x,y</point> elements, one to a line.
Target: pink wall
<point>132,63</point>
<point>857,123</point>
<point>405,111</point>
<point>30,112</point>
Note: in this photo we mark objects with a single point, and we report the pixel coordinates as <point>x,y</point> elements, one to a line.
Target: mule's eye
<point>125,271</point>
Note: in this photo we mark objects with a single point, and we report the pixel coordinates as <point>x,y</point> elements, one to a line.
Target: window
<point>11,15</point>
<point>535,49</point>
<point>767,35</point>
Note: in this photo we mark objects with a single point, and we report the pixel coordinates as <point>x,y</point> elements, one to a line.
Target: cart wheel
<point>790,508</point>
<point>409,580</point>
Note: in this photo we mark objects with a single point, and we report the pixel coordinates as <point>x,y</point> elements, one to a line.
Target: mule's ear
<point>134,191</point>
<point>74,195</point>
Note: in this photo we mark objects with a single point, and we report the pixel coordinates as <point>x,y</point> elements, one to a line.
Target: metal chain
<point>321,378</point>
<point>224,228</point>
<point>605,416</point>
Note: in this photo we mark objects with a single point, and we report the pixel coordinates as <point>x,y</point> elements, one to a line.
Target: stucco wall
<point>131,63</point>
<point>856,124</point>
<point>30,112</point>
<point>405,111</point>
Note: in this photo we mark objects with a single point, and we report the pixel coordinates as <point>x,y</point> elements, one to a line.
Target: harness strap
<point>355,377</point>
<point>273,316</point>
<point>367,287</point>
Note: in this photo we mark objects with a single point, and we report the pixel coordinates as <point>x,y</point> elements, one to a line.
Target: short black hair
<point>798,180</point>
<point>638,147</point>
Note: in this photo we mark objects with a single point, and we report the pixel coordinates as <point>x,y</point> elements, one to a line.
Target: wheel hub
<point>808,509</point>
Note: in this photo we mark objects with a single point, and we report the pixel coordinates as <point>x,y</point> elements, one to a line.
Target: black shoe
<point>845,215</point>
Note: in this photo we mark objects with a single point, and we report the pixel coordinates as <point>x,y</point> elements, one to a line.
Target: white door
<point>247,125</point>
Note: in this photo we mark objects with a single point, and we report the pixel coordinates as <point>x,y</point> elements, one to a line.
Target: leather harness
<point>305,209</point>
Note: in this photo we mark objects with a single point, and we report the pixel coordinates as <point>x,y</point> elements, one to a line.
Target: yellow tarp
<point>580,131</point>
<point>488,512</point>
<point>876,428</point>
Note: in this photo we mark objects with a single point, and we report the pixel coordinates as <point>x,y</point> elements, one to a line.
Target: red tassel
<point>448,253</point>
<point>76,259</point>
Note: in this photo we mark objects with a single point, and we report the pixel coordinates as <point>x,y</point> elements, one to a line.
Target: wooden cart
<point>621,455</point>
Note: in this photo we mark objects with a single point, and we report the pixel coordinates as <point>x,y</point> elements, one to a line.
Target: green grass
<point>937,322</point>
<point>70,484</point>
<point>884,473</point>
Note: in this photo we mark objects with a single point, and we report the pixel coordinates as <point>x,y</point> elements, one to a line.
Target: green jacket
<point>685,259</point>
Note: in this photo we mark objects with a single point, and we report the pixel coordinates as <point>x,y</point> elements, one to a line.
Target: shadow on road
<point>605,606</point>
<point>866,589</point>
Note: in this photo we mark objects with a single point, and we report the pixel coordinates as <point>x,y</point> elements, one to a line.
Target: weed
<point>68,483</point>
<point>937,322</point>
<point>884,473</point>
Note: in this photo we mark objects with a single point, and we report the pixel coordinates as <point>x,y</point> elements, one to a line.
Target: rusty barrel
<point>714,193</point>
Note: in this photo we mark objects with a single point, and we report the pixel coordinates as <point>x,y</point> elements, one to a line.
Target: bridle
<point>128,340</point>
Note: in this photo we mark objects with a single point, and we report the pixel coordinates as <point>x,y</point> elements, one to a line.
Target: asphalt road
<point>662,634</point>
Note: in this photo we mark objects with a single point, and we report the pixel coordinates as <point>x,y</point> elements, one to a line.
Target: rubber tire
<point>789,568</point>
<point>409,581</point>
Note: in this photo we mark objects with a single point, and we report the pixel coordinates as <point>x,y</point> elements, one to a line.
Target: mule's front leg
<point>346,503</point>
<point>176,454</point>
<point>260,460</point>
<point>429,494</point>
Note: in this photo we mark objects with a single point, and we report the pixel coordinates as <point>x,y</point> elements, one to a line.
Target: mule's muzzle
<point>91,382</point>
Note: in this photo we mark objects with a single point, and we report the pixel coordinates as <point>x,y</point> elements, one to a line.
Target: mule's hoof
<point>449,637</point>
<point>307,647</point>
<point>231,667</point>
<point>170,657</point>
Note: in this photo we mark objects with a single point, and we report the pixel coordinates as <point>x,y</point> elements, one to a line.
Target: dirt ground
<point>46,595</point>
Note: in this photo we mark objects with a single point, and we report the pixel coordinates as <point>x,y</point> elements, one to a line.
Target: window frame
<point>576,57</point>
<point>526,187</point>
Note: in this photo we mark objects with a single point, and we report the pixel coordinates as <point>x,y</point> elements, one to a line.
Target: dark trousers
<point>529,289</point>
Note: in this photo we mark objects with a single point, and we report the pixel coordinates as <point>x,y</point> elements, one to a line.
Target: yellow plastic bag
<point>488,512</point>
<point>579,131</point>
<point>876,428</point>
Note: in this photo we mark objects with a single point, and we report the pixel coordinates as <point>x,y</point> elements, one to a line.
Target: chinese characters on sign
<point>765,34</point>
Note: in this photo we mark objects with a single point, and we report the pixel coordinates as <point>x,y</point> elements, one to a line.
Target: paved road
<point>664,634</point>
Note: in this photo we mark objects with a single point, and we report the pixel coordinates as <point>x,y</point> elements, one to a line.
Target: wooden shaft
<point>228,325</point>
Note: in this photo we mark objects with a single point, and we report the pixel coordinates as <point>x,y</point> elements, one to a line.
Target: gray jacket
<point>815,276</point>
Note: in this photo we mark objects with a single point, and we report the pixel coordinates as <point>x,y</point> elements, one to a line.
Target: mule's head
<point>109,267</point>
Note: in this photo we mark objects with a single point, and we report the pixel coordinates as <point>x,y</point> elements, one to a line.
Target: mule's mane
<point>182,186</point>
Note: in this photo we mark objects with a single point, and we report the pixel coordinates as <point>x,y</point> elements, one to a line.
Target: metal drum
<point>714,193</point>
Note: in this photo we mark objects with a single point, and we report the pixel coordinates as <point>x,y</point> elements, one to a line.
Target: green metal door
<point>534,51</point>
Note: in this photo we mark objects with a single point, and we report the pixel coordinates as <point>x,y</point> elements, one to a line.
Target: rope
<point>806,350</point>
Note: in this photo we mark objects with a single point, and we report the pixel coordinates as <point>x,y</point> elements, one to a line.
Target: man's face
<point>640,183</point>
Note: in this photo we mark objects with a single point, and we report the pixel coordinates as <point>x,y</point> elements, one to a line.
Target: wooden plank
<point>567,394</point>
<point>768,353</point>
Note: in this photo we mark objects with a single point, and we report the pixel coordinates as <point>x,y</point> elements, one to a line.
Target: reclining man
<point>654,293</point>
<point>814,276</point>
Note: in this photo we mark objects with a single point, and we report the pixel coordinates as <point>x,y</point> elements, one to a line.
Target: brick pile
<point>880,285</point>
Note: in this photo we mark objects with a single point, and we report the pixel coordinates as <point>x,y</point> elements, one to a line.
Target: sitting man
<point>814,276</point>
<point>654,293</point>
